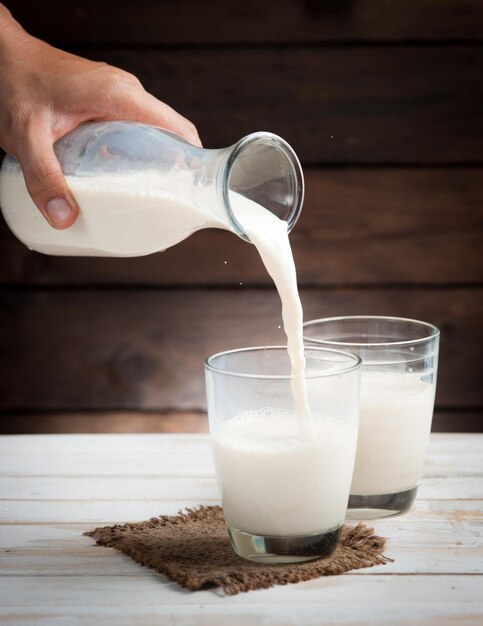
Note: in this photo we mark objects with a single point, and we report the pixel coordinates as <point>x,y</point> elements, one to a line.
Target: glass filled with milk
<point>398,384</point>
<point>284,486</point>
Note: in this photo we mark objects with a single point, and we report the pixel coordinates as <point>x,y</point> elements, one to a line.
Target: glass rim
<point>356,363</point>
<point>434,334</point>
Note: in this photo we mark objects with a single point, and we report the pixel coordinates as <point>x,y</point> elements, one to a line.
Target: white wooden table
<point>54,487</point>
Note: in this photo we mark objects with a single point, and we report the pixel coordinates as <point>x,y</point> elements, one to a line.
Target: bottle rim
<point>286,149</point>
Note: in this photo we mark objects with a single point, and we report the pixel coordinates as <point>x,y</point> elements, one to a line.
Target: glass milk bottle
<point>141,189</point>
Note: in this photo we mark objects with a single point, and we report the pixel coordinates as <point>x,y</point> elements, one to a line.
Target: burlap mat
<point>193,549</point>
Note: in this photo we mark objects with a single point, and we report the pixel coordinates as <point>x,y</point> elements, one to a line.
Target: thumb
<point>45,182</point>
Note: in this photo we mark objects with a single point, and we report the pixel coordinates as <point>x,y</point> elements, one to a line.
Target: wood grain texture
<point>449,454</point>
<point>418,546</point>
<point>399,105</point>
<point>144,349</point>
<point>50,573</point>
<point>239,21</point>
<point>172,422</point>
<point>115,422</point>
<point>379,87</point>
<point>401,226</point>
<point>277,613</point>
<point>458,491</point>
<point>139,590</point>
<point>159,489</point>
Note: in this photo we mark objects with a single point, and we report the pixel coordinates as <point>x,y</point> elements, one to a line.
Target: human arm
<point>46,92</point>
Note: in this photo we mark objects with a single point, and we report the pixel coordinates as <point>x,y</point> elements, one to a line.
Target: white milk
<point>274,483</point>
<point>269,235</point>
<point>395,422</point>
<point>131,215</point>
<point>120,216</point>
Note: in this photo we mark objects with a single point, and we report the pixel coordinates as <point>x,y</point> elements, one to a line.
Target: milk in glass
<point>275,484</point>
<point>394,428</point>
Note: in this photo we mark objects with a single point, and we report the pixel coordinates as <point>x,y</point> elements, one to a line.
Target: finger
<point>45,181</point>
<point>148,109</point>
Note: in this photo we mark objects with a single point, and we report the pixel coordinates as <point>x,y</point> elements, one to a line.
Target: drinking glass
<point>284,477</point>
<point>398,383</point>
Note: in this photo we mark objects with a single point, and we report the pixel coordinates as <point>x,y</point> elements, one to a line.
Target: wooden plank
<point>235,21</point>
<point>122,422</point>
<point>154,458</point>
<point>175,445</point>
<point>100,591</point>
<point>444,445</point>
<point>441,514</point>
<point>419,544</point>
<point>180,456</point>
<point>50,573</point>
<point>104,510</point>
<point>441,444</point>
<point>95,512</point>
<point>304,614</point>
<point>108,511</point>
<point>72,561</point>
<point>102,489</point>
<point>460,487</point>
<point>177,422</point>
<point>399,105</point>
<point>144,349</point>
<point>382,226</point>
<point>168,455</point>
<point>166,489</point>
<point>454,456</point>
<point>83,575</point>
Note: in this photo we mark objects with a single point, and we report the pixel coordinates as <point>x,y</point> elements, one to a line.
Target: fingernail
<point>58,209</point>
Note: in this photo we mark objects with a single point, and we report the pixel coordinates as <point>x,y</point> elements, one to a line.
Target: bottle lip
<point>284,147</point>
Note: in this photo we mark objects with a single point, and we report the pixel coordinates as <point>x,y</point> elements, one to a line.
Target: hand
<point>45,93</point>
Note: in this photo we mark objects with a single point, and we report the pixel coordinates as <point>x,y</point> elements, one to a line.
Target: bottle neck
<point>261,167</point>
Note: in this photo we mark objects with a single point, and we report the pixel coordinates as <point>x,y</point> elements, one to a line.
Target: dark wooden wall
<point>382,100</point>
